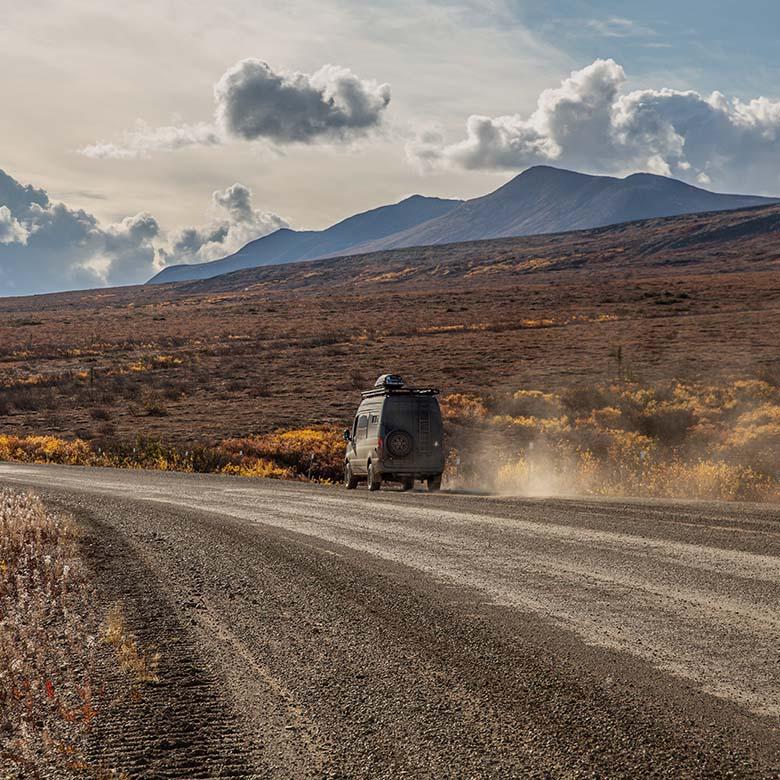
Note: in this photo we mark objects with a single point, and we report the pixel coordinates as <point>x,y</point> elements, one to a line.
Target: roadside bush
<point>680,439</point>
<point>309,452</point>
<point>47,643</point>
<point>581,401</point>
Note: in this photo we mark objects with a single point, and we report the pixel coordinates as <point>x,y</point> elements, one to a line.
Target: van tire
<point>434,484</point>
<point>374,481</point>
<point>408,484</point>
<point>400,444</point>
<point>350,480</point>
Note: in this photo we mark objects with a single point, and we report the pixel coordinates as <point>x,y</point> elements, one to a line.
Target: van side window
<point>362,426</point>
<point>374,419</point>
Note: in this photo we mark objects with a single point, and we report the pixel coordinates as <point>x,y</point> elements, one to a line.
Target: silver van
<point>396,436</point>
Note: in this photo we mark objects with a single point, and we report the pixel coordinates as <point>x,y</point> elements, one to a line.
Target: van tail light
<point>379,443</point>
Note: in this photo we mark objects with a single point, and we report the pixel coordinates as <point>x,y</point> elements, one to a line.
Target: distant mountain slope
<point>538,201</point>
<point>285,246</point>
<point>733,241</point>
<point>549,200</point>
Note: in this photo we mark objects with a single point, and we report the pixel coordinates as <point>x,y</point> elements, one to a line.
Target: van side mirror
<point>347,435</point>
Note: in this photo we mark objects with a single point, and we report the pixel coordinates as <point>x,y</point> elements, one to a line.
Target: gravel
<point>306,632</point>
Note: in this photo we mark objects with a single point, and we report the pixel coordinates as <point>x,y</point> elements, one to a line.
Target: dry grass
<point>47,642</point>
<point>254,361</point>
<point>52,689</point>
<point>674,439</point>
<point>308,453</point>
<point>142,667</point>
<point>229,375</point>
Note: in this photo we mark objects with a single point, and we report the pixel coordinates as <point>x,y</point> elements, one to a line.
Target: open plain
<point>694,297</point>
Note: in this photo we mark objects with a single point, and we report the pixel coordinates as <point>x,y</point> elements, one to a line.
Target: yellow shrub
<point>459,406</point>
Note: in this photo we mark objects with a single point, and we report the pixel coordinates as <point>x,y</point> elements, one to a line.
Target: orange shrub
<point>308,452</point>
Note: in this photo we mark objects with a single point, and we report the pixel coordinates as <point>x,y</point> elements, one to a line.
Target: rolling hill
<point>541,200</point>
<point>717,242</point>
<point>285,245</point>
<point>286,346</point>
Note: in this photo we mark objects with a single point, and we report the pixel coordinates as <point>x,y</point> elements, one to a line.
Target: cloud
<point>11,230</point>
<point>143,139</point>
<point>235,223</point>
<point>253,102</point>
<point>129,249</point>
<point>590,122</point>
<point>45,245</point>
<point>618,27</point>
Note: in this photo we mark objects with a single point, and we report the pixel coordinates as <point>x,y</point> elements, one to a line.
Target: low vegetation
<point>306,453</point>
<point>674,439</point>
<point>52,686</point>
<point>47,642</point>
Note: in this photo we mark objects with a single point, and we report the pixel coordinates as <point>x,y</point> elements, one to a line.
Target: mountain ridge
<point>540,200</point>
<point>287,245</point>
<point>720,242</point>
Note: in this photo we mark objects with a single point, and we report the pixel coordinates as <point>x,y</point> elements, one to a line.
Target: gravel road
<point>310,632</point>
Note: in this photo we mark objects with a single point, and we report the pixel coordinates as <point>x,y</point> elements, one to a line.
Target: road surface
<point>310,632</point>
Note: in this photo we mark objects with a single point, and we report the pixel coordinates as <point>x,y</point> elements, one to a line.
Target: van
<point>396,436</point>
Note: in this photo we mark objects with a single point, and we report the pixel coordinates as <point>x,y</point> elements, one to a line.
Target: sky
<point>152,132</point>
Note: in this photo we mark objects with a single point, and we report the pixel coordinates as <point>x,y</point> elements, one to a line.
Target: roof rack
<point>380,391</point>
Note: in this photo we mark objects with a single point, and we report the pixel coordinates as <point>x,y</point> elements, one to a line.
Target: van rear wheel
<point>350,480</point>
<point>434,484</point>
<point>374,480</point>
<point>408,484</point>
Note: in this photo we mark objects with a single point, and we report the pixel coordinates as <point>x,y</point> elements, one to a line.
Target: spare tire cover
<point>399,444</point>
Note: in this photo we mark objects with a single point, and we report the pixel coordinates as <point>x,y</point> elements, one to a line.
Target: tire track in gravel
<point>182,726</point>
<point>314,635</point>
<point>309,664</point>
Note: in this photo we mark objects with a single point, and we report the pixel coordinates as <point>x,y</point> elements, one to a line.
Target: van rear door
<point>419,416</point>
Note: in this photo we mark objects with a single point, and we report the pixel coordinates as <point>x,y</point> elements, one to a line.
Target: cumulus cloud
<point>590,122</point>
<point>143,140</point>
<point>11,230</point>
<point>254,102</point>
<point>235,222</point>
<point>48,246</point>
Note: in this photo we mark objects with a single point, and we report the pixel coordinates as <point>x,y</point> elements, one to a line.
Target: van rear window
<point>404,412</point>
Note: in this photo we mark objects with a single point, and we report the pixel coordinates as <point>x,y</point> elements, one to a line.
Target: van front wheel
<point>374,481</point>
<point>350,480</point>
<point>434,484</point>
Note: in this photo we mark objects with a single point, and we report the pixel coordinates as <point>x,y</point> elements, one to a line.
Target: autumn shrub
<point>463,407</point>
<point>677,439</point>
<point>533,403</point>
<point>308,452</point>
<point>47,643</point>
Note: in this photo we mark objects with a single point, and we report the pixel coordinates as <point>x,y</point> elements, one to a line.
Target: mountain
<point>286,246</point>
<point>731,242</point>
<point>549,200</point>
<point>538,201</point>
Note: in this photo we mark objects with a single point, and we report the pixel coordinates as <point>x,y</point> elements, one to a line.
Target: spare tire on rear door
<point>399,444</point>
